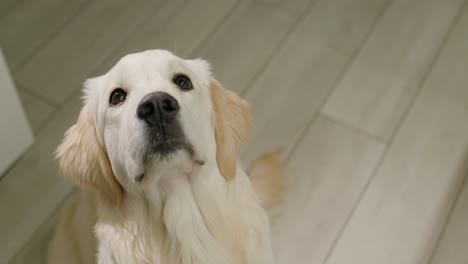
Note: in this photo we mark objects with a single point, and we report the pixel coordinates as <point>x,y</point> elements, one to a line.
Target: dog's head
<point>151,112</point>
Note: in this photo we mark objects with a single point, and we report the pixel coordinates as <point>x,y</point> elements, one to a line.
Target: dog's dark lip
<point>168,142</point>
<point>173,145</point>
<point>164,148</point>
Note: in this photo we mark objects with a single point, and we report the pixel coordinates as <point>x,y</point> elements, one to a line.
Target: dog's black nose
<point>157,107</point>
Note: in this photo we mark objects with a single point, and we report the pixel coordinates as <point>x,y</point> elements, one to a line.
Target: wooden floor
<point>370,98</point>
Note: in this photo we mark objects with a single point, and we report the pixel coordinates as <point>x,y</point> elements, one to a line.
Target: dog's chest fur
<point>187,223</point>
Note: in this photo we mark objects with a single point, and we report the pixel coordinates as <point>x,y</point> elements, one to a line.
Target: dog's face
<point>153,112</point>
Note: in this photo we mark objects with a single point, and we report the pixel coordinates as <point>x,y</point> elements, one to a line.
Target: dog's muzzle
<point>159,111</point>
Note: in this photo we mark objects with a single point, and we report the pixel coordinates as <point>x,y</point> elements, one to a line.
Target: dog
<point>155,148</point>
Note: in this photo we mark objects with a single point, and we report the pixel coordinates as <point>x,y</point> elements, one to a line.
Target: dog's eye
<point>117,96</point>
<point>183,82</point>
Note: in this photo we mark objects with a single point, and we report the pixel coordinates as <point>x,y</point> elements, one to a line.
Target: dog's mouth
<point>168,146</point>
<point>164,149</point>
<point>164,141</point>
<point>165,138</point>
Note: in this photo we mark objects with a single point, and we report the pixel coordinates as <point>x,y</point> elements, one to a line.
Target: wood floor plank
<point>35,250</point>
<point>240,47</point>
<point>31,23</point>
<point>180,36</point>
<point>36,110</point>
<point>452,246</point>
<point>33,188</point>
<point>295,83</point>
<point>327,173</point>
<point>296,7</point>
<point>60,67</point>
<point>6,5</point>
<point>381,83</point>
<point>401,215</point>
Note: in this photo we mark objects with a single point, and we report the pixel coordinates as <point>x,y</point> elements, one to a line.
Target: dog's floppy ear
<point>232,123</point>
<point>84,159</point>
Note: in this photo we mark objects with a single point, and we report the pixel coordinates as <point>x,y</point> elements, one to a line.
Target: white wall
<point>15,133</point>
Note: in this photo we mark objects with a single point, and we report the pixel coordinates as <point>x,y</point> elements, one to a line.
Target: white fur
<point>181,212</point>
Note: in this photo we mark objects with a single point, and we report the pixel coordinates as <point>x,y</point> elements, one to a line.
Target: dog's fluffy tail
<point>267,174</point>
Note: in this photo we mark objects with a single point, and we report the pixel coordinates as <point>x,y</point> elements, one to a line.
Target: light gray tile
<point>32,22</point>
<point>381,83</point>
<point>403,210</point>
<point>326,174</point>
<point>35,250</point>
<point>6,5</point>
<point>33,188</point>
<point>402,213</point>
<point>296,7</point>
<point>60,67</point>
<point>180,36</point>
<point>452,246</point>
<point>244,42</point>
<point>448,80</point>
<point>36,110</point>
<point>287,94</point>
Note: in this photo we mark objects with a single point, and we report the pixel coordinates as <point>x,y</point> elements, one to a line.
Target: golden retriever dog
<point>155,146</point>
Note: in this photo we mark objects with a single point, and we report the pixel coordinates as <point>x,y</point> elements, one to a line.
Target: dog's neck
<point>185,218</point>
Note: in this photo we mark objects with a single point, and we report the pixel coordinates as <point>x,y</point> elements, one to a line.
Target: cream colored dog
<point>156,141</point>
